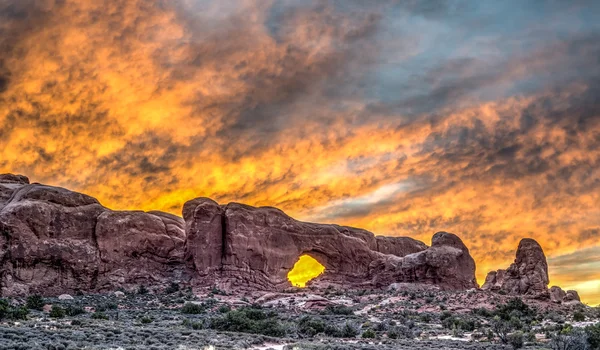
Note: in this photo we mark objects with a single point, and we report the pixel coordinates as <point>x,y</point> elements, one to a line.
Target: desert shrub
<point>338,310</point>
<point>368,334</point>
<point>515,340</point>
<point>515,308</point>
<point>57,312</point>
<point>193,325</point>
<point>142,290</point>
<point>483,312</point>
<point>459,323</point>
<point>501,328</point>
<point>249,320</point>
<point>146,320</point>
<point>35,302</point>
<point>106,306</point>
<point>10,312</point>
<point>72,310</point>
<point>349,330</point>
<point>223,309</point>
<point>309,327</point>
<point>98,315</point>
<point>172,288</point>
<point>570,339</point>
<point>593,336</point>
<point>578,316</point>
<point>192,309</point>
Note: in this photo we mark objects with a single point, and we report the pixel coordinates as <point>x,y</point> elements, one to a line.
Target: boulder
<point>447,264</point>
<point>65,297</point>
<point>557,295</point>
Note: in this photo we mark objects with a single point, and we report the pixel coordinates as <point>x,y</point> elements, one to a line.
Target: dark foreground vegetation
<point>177,319</point>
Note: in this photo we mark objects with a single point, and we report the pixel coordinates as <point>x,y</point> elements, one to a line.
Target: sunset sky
<point>409,117</point>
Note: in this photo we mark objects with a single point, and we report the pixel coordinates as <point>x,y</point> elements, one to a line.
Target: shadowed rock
<point>56,241</point>
<point>528,275</point>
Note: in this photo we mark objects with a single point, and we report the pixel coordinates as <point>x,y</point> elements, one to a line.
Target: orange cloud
<point>147,104</point>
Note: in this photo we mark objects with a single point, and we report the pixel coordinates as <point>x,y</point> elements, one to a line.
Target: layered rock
<point>53,241</point>
<point>447,263</point>
<point>558,295</point>
<point>257,247</point>
<point>528,275</point>
<point>56,241</point>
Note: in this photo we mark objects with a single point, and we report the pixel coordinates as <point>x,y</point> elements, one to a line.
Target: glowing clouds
<point>305,269</point>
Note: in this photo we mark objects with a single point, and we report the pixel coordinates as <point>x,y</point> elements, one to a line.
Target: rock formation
<point>55,241</point>
<point>558,295</point>
<point>528,276</point>
<point>239,245</point>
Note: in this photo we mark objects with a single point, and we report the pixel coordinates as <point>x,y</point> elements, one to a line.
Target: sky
<point>406,118</point>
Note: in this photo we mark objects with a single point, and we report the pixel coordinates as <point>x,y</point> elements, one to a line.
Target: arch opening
<point>305,270</point>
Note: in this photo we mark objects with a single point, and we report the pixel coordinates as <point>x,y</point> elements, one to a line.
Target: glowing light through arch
<point>305,269</point>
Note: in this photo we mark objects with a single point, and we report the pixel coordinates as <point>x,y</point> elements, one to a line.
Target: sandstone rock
<point>49,240</point>
<point>399,246</point>
<point>447,263</point>
<point>14,179</point>
<point>557,295</point>
<point>57,241</point>
<point>139,248</point>
<point>527,276</point>
<point>65,297</point>
<point>571,295</point>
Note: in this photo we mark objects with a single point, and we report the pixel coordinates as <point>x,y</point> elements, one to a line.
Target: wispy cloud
<point>405,118</point>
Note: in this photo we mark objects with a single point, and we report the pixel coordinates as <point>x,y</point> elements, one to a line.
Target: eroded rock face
<point>558,295</point>
<point>56,241</point>
<point>528,275</point>
<point>257,247</point>
<point>447,263</point>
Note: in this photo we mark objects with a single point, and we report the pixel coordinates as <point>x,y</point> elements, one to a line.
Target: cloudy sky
<point>403,117</point>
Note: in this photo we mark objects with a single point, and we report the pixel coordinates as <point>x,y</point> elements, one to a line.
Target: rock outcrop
<point>528,276</point>
<point>558,295</point>
<point>55,241</point>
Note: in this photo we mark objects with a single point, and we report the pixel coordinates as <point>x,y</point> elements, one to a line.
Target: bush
<point>142,290</point>
<point>35,302</point>
<point>338,310</point>
<point>578,316</point>
<point>146,320</point>
<point>99,316</point>
<point>570,339</point>
<point>593,335</point>
<point>193,325</point>
<point>192,309</point>
<point>368,334</point>
<point>10,312</point>
<point>516,340</point>
<point>223,309</point>
<point>249,320</point>
<point>74,310</point>
<point>172,288</point>
<point>57,312</point>
<point>309,327</point>
<point>349,330</point>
